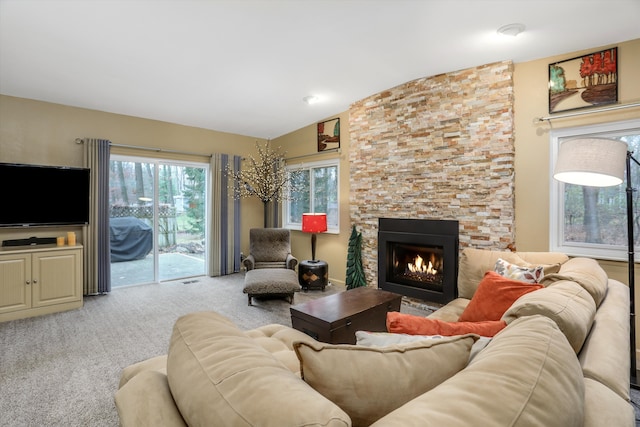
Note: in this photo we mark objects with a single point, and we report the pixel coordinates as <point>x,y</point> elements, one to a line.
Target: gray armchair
<point>270,248</point>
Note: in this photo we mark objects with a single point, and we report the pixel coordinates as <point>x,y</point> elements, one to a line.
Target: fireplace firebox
<point>418,258</point>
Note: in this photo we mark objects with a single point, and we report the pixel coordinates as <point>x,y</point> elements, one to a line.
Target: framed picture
<point>329,135</point>
<point>584,81</point>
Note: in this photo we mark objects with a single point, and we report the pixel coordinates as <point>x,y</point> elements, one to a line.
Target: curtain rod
<point>333,150</point>
<point>156,150</point>
<point>581,113</point>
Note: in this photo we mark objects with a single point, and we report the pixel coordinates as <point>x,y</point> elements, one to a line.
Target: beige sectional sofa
<point>562,360</point>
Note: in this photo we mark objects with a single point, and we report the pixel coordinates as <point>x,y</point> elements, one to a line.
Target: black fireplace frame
<point>412,231</point>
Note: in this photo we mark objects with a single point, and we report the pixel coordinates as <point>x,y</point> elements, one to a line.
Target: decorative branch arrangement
<point>265,177</point>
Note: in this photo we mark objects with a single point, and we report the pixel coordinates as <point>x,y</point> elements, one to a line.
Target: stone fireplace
<point>436,147</point>
<point>418,258</point>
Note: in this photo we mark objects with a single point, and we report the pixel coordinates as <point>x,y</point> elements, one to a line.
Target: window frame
<point>557,193</point>
<point>331,229</point>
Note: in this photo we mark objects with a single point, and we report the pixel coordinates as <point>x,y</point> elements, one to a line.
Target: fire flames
<point>420,267</point>
<point>416,267</point>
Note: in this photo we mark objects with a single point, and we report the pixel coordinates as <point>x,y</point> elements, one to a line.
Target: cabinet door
<point>15,282</point>
<point>56,277</point>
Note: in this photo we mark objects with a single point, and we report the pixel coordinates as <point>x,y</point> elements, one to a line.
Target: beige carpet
<point>63,369</point>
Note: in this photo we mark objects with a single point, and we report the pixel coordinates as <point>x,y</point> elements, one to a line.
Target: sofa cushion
<point>610,331</point>
<point>550,260</point>
<point>401,323</point>
<point>495,294</point>
<point>370,382</point>
<point>566,303</point>
<point>587,273</point>
<point>451,311</point>
<point>603,407</point>
<point>219,376</point>
<point>474,263</point>
<point>146,401</point>
<point>278,340</point>
<point>527,376</point>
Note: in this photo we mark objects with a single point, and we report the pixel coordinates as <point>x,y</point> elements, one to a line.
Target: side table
<point>313,274</point>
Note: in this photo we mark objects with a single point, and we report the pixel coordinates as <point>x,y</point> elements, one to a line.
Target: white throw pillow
<point>383,339</point>
<point>516,272</point>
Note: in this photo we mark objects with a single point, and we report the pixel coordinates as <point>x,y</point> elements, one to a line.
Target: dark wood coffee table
<point>335,318</point>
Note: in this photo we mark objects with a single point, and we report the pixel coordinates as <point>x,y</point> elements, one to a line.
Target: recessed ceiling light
<point>311,99</point>
<point>511,29</point>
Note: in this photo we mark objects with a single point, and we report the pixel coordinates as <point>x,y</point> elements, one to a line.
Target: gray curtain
<point>97,267</point>
<point>224,250</point>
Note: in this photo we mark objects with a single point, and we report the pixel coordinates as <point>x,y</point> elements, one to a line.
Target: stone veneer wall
<point>439,147</point>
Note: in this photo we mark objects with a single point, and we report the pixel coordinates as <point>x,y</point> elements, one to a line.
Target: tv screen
<point>35,195</point>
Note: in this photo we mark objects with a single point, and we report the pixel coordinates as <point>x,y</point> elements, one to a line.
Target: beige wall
<point>44,133</point>
<point>532,141</point>
<point>331,248</point>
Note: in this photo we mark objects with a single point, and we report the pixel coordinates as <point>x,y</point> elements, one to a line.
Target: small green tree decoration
<point>265,178</point>
<point>355,271</point>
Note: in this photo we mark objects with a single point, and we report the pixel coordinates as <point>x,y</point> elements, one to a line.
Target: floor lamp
<point>600,162</point>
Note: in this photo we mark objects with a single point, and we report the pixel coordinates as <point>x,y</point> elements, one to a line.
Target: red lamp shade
<point>314,222</point>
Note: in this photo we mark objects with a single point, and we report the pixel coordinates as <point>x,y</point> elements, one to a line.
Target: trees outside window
<point>591,221</point>
<point>194,190</point>
<point>170,197</point>
<point>315,190</point>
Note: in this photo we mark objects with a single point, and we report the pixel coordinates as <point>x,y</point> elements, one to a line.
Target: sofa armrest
<point>146,401</point>
<point>249,262</point>
<point>605,354</point>
<point>291,262</point>
<point>158,363</point>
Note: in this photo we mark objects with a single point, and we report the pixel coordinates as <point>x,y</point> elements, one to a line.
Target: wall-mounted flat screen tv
<point>34,195</point>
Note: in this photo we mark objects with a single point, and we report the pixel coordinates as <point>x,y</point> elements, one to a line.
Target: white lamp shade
<point>593,162</point>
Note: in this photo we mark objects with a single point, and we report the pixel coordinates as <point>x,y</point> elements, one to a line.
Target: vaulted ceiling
<point>244,66</point>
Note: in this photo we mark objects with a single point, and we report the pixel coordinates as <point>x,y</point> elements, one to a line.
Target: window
<point>316,190</point>
<point>590,221</point>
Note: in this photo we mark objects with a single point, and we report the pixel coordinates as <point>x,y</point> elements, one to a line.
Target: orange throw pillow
<point>401,323</point>
<point>494,296</point>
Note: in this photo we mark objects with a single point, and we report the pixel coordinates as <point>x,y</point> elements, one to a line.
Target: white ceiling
<point>244,66</point>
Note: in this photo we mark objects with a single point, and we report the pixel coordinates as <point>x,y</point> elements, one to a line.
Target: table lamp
<point>600,162</point>
<point>314,223</point>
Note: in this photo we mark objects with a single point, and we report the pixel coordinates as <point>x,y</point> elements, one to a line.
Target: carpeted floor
<point>635,400</point>
<point>63,369</point>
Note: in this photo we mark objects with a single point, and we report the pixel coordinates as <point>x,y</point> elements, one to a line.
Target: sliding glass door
<point>157,220</point>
